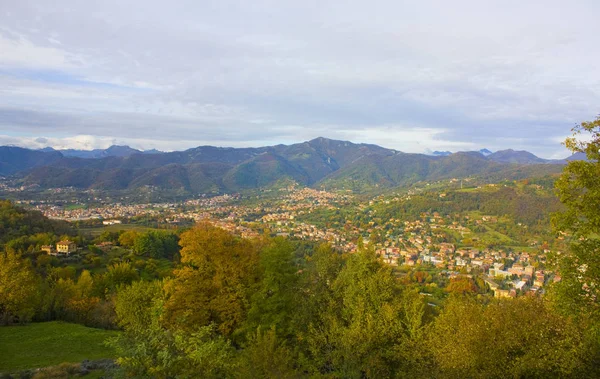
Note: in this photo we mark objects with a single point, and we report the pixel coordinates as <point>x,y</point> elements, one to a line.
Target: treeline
<point>254,308</point>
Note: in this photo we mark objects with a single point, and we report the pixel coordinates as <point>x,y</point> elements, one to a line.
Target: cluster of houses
<point>109,212</point>
<point>521,278</point>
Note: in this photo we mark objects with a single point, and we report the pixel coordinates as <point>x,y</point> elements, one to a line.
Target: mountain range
<point>113,151</point>
<point>320,162</point>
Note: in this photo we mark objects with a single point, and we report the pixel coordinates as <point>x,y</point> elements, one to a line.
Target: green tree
<point>578,292</point>
<point>118,274</point>
<point>108,236</point>
<point>579,190</point>
<point>17,222</point>
<point>364,322</point>
<point>274,304</point>
<point>147,349</point>
<point>62,292</point>
<point>519,338</point>
<point>156,244</point>
<point>266,356</point>
<point>137,305</point>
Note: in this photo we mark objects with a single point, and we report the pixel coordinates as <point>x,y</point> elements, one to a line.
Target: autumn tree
<point>128,238</point>
<point>219,275</point>
<point>19,289</point>
<point>461,285</point>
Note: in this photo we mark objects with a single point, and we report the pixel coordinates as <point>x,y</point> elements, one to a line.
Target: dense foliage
<point>330,315</point>
<point>579,189</point>
<point>268,307</point>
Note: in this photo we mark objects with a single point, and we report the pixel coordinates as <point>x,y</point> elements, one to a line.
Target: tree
<point>108,236</point>
<point>137,304</point>
<point>16,222</point>
<point>215,284</point>
<point>274,304</point>
<point>117,275</point>
<point>147,349</point>
<point>579,190</point>
<point>461,285</point>
<point>128,238</point>
<point>265,356</point>
<point>366,321</point>
<point>19,285</point>
<point>520,338</point>
<point>156,244</point>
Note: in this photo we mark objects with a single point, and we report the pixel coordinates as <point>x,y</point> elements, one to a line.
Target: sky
<point>415,76</point>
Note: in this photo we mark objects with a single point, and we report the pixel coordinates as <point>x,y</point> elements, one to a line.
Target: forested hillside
<point>16,222</point>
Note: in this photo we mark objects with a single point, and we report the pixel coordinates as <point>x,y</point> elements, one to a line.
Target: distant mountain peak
<point>485,152</point>
<point>328,141</point>
<point>120,150</point>
<point>515,156</point>
<point>579,156</point>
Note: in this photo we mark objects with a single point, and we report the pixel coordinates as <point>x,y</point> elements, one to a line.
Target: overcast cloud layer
<point>409,75</point>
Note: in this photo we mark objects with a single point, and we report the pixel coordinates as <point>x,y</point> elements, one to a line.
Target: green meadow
<point>51,343</point>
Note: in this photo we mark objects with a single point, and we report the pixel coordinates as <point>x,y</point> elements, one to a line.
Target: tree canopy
<point>579,189</point>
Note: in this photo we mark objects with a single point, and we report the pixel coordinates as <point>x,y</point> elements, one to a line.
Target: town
<point>454,243</point>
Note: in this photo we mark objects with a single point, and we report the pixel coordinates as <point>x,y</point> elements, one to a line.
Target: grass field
<point>115,228</point>
<point>50,343</point>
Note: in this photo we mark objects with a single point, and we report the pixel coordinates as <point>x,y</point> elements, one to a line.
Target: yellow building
<point>66,247</point>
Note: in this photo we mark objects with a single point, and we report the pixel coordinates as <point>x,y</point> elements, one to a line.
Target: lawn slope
<point>50,343</point>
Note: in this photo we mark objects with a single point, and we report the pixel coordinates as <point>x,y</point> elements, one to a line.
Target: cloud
<point>496,74</point>
<point>18,51</point>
